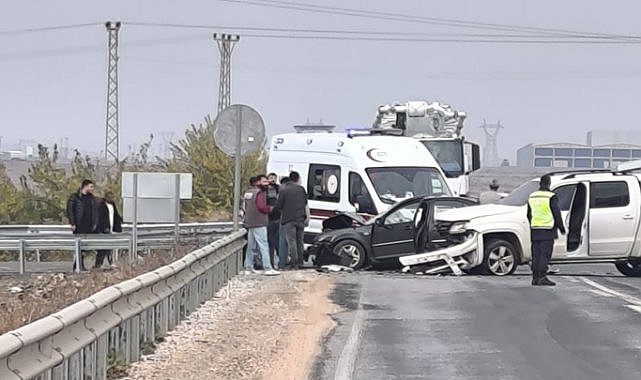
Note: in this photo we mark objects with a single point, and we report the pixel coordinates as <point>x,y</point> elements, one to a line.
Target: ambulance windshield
<point>394,184</point>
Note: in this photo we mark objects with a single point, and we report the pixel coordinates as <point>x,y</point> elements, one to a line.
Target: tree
<point>212,169</point>
<point>46,189</point>
<point>9,197</point>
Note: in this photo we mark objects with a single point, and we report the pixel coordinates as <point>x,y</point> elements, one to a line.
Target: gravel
<point>246,331</point>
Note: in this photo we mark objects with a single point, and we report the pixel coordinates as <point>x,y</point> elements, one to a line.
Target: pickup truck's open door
<point>573,201</point>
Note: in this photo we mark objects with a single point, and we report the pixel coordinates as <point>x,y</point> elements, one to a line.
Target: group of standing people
<point>88,214</point>
<point>275,217</point>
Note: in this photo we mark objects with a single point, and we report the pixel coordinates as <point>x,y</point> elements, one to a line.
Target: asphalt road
<point>399,326</point>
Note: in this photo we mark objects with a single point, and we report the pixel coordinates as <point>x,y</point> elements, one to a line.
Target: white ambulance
<point>359,171</point>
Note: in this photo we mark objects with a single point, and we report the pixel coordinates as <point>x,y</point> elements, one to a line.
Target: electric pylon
<point>112,140</point>
<point>226,44</point>
<point>491,149</point>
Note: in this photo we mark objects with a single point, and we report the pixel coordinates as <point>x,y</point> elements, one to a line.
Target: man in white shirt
<point>109,221</point>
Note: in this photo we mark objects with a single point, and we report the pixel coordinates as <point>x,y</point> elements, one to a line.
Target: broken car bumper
<point>468,246</point>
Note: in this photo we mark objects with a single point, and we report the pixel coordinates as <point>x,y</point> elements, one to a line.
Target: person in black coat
<point>109,221</point>
<point>82,212</point>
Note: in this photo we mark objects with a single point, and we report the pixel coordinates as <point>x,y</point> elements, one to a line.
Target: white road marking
<point>634,307</point>
<point>347,359</point>
<point>601,293</point>
<point>626,297</point>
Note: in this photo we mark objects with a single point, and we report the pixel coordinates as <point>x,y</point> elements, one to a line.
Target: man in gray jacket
<point>256,220</point>
<point>292,206</point>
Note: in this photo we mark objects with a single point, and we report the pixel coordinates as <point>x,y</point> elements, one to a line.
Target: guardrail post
<point>37,255</point>
<point>101,357</point>
<point>21,258</point>
<point>77,255</point>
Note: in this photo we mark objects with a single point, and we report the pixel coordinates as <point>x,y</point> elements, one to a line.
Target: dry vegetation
<point>24,299</point>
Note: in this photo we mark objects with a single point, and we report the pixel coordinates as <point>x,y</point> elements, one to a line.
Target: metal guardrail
<point>37,238</point>
<point>142,228</point>
<point>114,325</point>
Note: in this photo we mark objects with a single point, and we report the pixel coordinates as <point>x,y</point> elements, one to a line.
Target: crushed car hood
<point>343,220</point>
<point>472,212</point>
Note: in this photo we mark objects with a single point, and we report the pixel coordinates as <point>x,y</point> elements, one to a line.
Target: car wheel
<point>500,258</point>
<point>351,253</point>
<point>630,268</point>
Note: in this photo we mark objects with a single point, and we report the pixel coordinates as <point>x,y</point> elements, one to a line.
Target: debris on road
<point>335,268</point>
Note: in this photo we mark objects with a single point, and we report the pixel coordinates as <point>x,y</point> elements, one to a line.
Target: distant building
<point>564,155</point>
<point>596,138</point>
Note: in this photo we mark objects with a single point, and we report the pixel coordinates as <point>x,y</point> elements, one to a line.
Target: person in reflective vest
<point>544,215</point>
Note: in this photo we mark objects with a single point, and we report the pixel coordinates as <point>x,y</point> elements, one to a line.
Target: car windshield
<point>520,195</point>
<point>448,154</point>
<point>395,184</point>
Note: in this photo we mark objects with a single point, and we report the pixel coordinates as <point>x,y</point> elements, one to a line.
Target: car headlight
<point>324,238</point>
<point>459,228</point>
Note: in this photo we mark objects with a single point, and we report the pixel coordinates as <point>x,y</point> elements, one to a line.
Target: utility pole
<point>226,44</point>
<point>491,149</point>
<point>112,140</point>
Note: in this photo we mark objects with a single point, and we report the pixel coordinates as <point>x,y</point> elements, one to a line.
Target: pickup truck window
<point>609,194</point>
<point>565,195</point>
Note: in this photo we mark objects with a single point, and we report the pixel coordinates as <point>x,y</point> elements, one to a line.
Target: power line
<point>330,31</point>
<point>445,40</point>
<point>391,16</point>
<point>363,35</point>
<point>48,28</point>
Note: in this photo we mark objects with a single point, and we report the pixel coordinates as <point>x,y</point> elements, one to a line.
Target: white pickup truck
<point>601,210</point>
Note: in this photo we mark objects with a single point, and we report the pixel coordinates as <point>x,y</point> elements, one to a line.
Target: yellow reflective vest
<point>541,212</point>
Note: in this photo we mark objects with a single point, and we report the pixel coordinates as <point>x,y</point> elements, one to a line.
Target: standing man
<point>292,205</point>
<point>256,221</point>
<point>274,217</point>
<point>82,212</point>
<point>283,252</point>
<point>109,221</point>
<point>544,215</point>
<point>492,196</point>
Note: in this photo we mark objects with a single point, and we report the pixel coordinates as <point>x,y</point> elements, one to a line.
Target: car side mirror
<point>378,222</point>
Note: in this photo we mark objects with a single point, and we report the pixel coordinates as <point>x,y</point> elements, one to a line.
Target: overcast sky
<point>52,84</point>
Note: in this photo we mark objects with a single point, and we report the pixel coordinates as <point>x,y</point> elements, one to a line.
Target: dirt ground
<point>27,298</point>
<point>256,328</point>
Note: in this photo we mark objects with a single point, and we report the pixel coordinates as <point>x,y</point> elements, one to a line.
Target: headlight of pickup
<point>459,228</point>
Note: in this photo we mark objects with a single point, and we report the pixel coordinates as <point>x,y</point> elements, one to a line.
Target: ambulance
<point>363,171</point>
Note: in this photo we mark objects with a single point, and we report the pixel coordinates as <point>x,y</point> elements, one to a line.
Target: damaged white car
<point>601,210</point>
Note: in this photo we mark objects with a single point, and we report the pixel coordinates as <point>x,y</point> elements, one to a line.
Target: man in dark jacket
<point>274,218</point>
<point>283,253</point>
<point>544,215</point>
<point>292,206</point>
<point>109,221</point>
<point>82,212</point>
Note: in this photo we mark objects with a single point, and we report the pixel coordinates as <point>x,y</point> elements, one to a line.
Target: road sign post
<point>238,130</point>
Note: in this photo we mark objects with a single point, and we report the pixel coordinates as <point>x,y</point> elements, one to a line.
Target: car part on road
<point>630,268</point>
<point>499,258</point>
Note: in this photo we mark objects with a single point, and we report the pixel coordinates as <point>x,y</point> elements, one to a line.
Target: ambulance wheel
<point>351,253</point>
<point>499,258</point>
<point>630,268</point>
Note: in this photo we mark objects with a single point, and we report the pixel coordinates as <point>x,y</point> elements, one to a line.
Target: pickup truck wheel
<point>499,258</point>
<point>630,268</point>
<point>351,253</point>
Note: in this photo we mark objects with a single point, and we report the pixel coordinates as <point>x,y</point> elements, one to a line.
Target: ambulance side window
<point>324,183</point>
<point>359,195</point>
